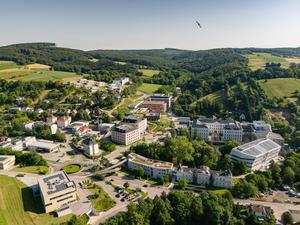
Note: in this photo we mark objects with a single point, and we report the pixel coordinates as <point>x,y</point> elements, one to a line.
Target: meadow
<point>149,88</point>
<point>149,72</point>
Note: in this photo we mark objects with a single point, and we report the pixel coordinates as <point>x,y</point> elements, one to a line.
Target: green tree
<point>228,146</point>
<point>182,184</point>
<point>139,172</point>
<point>239,168</point>
<point>288,176</point>
<point>287,218</point>
<point>126,185</point>
<point>182,149</point>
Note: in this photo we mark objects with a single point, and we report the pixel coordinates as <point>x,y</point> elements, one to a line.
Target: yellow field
<point>37,66</point>
<point>149,72</point>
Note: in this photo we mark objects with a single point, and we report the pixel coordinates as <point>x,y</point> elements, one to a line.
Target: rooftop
<point>125,128</point>
<point>149,162</point>
<point>5,157</point>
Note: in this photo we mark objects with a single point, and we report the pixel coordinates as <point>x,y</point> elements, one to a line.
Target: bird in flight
<point>199,25</point>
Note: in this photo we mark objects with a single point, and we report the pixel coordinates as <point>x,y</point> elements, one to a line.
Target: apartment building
<point>125,134</point>
<point>155,106</point>
<point>7,161</point>
<point>256,154</point>
<point>152,168</point>
<point>139,121</point>
<point>56,190</point>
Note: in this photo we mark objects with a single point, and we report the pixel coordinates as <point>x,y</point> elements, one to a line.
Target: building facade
<point>90,147</point>
<point>7,161</point>
<point>125,134</point>
<point>162,97</point>
<point>155,106</point>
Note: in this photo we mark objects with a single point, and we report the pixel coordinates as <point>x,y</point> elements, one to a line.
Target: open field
<point>47,76</point>
<point>280,87</point>
<point>37,66</point>
<point>4,65</point>
<point>101,201</point>
<point>120,63</point>
<point>259,60</point>
<point>72,168</point>
<point>149,72</point>
<point>13,74</point>
<point>33,169</point>
<point>149,88</point>
<point>19,207</point>
<point>217,97</point>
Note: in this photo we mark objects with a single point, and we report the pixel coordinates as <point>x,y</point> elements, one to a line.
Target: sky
<point>151,24</point>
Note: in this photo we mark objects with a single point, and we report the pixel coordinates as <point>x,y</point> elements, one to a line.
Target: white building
<point>152,168</point>
<point>7,161</point>
<point>205,177</point>
<point>43,145</point>
<point>90,147</point>
<point>125,134</point>
<point>64,121</point>
<point>217,130</point>
<point>162,97</point>
<point>57,191</point>
<point>137,120</point>
<point>122,81</point>
<point>51,119</point>
<point>256,154</point>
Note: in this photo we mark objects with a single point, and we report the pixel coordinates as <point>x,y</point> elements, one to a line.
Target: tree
<point>244,189</point>
<point>182,184</point>
<point>225,162</point>
<point>126,185</point>
<point>239,168</point>
<point>228,146</point>
<point>138,172</point>
<point>181,148</point>
<point>204,154</point>
<point>287,218</point>
<point>288,176</point>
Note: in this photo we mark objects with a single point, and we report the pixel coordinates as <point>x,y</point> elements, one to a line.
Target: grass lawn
<point>102,201</point>
<point>152,182</point>
<point>259,60</point>
<point>149,72</point>
<point>149,88</point>
<point>4,65</point>
<point>19,207</point>
<point>33,169</point>
<point>72,168</point>
<point>280,87</point>
<point>45,75</point>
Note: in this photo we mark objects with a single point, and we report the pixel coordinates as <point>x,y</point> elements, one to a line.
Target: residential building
<point>90,147</point>
<point>43,145</point>
<point>122,81</point>
<point>125,134</point>
<point>63,121</point>
<point>204,176</point>
<point>155,106</point>
<point>161,97</point>
<point>51,119</point>
<point>262,212</point>
<point>56,191</point>
<point>139,121</point>
<point>78,127</point>
<point>7,161</point>
<point>217,130</point>
<point>152,168</point>
<point>256,154</point>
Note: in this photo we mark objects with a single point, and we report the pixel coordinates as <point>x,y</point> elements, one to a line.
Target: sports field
<point>280,87</point>
<point>18,207</point>
<point>149,88</point>
<point>149,72</point>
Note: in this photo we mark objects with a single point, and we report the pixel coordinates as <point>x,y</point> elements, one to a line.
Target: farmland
<point>149,88</point>
<point>149,72</point>
<point>5,65</point>
<point>280,87</point>
<point>18,207</point>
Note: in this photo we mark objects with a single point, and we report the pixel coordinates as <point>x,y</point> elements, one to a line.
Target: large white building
<point>90,147</point>
<point>161,97</point>
<point>57,191</point>
<point>129,131</point>
<point>152,168</point>
<point>256,154</point>
<point>217,130</point>
<point>205,177</point>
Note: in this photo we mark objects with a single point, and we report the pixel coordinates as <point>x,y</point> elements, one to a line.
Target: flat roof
<point>154,102</point>
<point>125,128</point>
<point>5,157</point>
<point>44,144</point>
<point>150,162</point>
<point>56,182</point>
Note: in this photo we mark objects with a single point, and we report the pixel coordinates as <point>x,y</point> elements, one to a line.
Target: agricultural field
<point>149,72</point>
<point>37,66</point>
<point>259,60</point>
<point>280,87</point>
<point>5,65</point>
<point>149,88</point>
<point>19,207</point>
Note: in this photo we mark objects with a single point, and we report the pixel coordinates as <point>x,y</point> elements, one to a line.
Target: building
<point>7,161</point>
<point>122,81</point>
<point>162,97</point>
<point>90,147</point>
<point>78,127</point>
<point>51,119</point>
<point>262,212</point>
<point>42,146</point>
<point>256,154</point>
<point>104,128</point>
<point>139,121</point>
<point>155,106</point>
<point>64,121</point>
<point>217,130</point>
<point>125,134</point>
<point>56,191</point>
<point>152,168</point>
<point>205,177</point>
<point>28,125</point>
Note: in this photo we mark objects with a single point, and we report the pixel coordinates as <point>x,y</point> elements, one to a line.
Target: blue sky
<point>140,24</point>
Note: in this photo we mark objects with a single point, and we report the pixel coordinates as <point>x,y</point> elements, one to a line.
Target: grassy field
<point>5,65</point>
<point>217,96</point>
<point>14,74</point>
<point>259,60</point>
<point>149,72</point>
<point>72,168</point>
<point>46,76</point>
<point>149,88</point>
<point>102,201</point>
<point>33,169</point>
<point>19,207</point>
<point>280,87</point>
<point>37,66</point>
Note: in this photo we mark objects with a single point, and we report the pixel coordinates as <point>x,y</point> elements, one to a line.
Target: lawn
<point>45,76</point>
<point>4,65</point>
<point>217,96</point>
<point>149,88</point>
<point>101,200</point>
<point>19,207</point>
<point>280,87</point>
<point>149,72</point>
<point>259,60</point>
<point>72,168</point>
<point>33,169</point>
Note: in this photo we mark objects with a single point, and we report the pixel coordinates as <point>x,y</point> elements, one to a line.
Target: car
<point>20,175</point>
<point>112,179</point>
<point>117,195</point>
<point>286,187</point>
<point>145,185</point>
<point>122,199</point>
